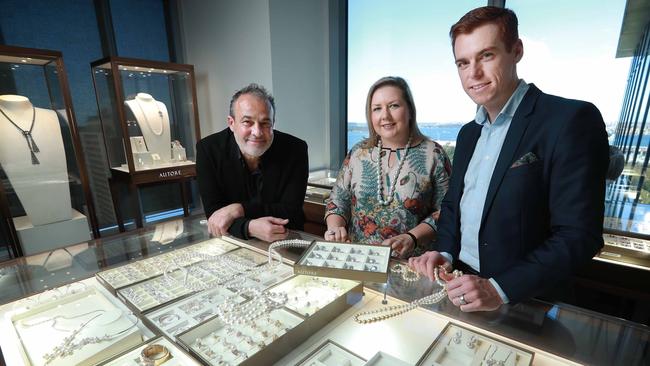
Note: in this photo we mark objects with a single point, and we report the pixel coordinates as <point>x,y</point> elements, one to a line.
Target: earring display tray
<point>144,269</point>
<point>332,354</point>
<point>384,359</point>
<point>182,315</point>
<point>306,294</point>
<point>344,260</point>
<point>457,345</point>
<point>272,275</point>
<point>86,327</point>
<point>169,355</point>
<point>216,343</point>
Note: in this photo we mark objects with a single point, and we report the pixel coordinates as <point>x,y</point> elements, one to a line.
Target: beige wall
<point>281,44</point>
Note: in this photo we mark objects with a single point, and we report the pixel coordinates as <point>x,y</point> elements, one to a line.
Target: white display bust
<point>153,119</point>
<point>43,189</point>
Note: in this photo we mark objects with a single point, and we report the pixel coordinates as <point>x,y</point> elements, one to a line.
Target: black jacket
<point>543,219</point>
<point>222,179</point>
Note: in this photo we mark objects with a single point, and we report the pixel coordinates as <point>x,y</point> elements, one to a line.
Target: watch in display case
<point>45,195</point>
<point>159,351</point>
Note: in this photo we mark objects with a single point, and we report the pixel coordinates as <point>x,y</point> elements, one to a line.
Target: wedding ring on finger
<point>461,300</point>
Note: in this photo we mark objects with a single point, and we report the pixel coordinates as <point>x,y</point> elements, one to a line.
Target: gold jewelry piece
<point>155,354</point>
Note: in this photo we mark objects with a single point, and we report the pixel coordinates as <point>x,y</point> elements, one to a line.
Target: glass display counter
<point>308,328</point>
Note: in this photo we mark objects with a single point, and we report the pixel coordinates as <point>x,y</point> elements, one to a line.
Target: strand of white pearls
<point>380,185</point>
<point>387,312</point>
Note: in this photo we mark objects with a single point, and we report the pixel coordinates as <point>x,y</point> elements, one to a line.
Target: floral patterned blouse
<point>422,183</point>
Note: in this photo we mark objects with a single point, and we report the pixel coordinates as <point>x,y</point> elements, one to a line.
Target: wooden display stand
<point>116,79</point>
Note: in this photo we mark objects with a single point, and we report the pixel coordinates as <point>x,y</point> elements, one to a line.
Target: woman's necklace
<point>160,115</point>
<point>387,312</point>
<point>31,144</point>
<point>380,184</point>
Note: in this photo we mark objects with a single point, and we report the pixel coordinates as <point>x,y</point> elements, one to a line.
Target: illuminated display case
<point>150,124</point>
<point>294,320</point>
<point>44,197</point>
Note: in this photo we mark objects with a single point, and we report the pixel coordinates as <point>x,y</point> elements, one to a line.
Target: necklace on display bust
<point>31,144</point>
<point>161,128</point>
<point>380,185</point>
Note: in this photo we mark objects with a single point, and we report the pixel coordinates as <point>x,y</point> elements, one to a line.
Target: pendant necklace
<point>380,184</point>
<point>160,115</point>
<point>31,144</point>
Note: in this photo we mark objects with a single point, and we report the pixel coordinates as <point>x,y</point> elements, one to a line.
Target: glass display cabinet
<point>225,302</point>
<point>150,124</point>
<point>44,197</point>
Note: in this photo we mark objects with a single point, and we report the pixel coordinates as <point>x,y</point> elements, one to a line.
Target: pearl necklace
<point>146,118</point>
<point>383,313</point>
<point>380,184</point>
<point>67,347</point>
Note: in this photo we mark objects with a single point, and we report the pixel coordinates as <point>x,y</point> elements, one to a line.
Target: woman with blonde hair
<point>390,185</point>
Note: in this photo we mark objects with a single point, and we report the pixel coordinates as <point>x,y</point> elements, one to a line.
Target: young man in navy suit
<point>526,198</point>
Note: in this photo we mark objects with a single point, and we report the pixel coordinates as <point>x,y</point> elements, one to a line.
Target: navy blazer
<point>222,179</point>
<point>543,214</point>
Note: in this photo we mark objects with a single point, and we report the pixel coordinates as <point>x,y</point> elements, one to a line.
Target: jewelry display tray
<point>178,316</point>
<point>360,262</point>
<point>285,343</point>
<point>451,347</point>
<point>92,353</point>
<point>144,269</point>
<point>132,357</point>
<point>332,354</point>
<point>157,291</point>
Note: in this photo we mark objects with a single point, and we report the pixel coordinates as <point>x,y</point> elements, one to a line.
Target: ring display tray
<point>384,359</point>
<point>85,326</point>
<point>332,354</point>
<point>265,339</point>
<point>178,282</point>
<point>119,277</point>
<point>215,342</point>
<point>182,315</point>
<point>460,346</point>
<point>133,357</point>
<point>358,262</point>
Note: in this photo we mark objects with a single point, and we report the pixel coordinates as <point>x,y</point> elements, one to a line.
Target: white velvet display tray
<point>384,359</point>
<point>182,315</point>
<point>275,274</point>
<point>332,354</point>
<point>133,358</point>
<point>153,266</point>
<point>174,284</point>
<point>457,345</point>
<point>345,260</point>
<point>211,332</point>
<point>38,335</point>
<point>307,294</point>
